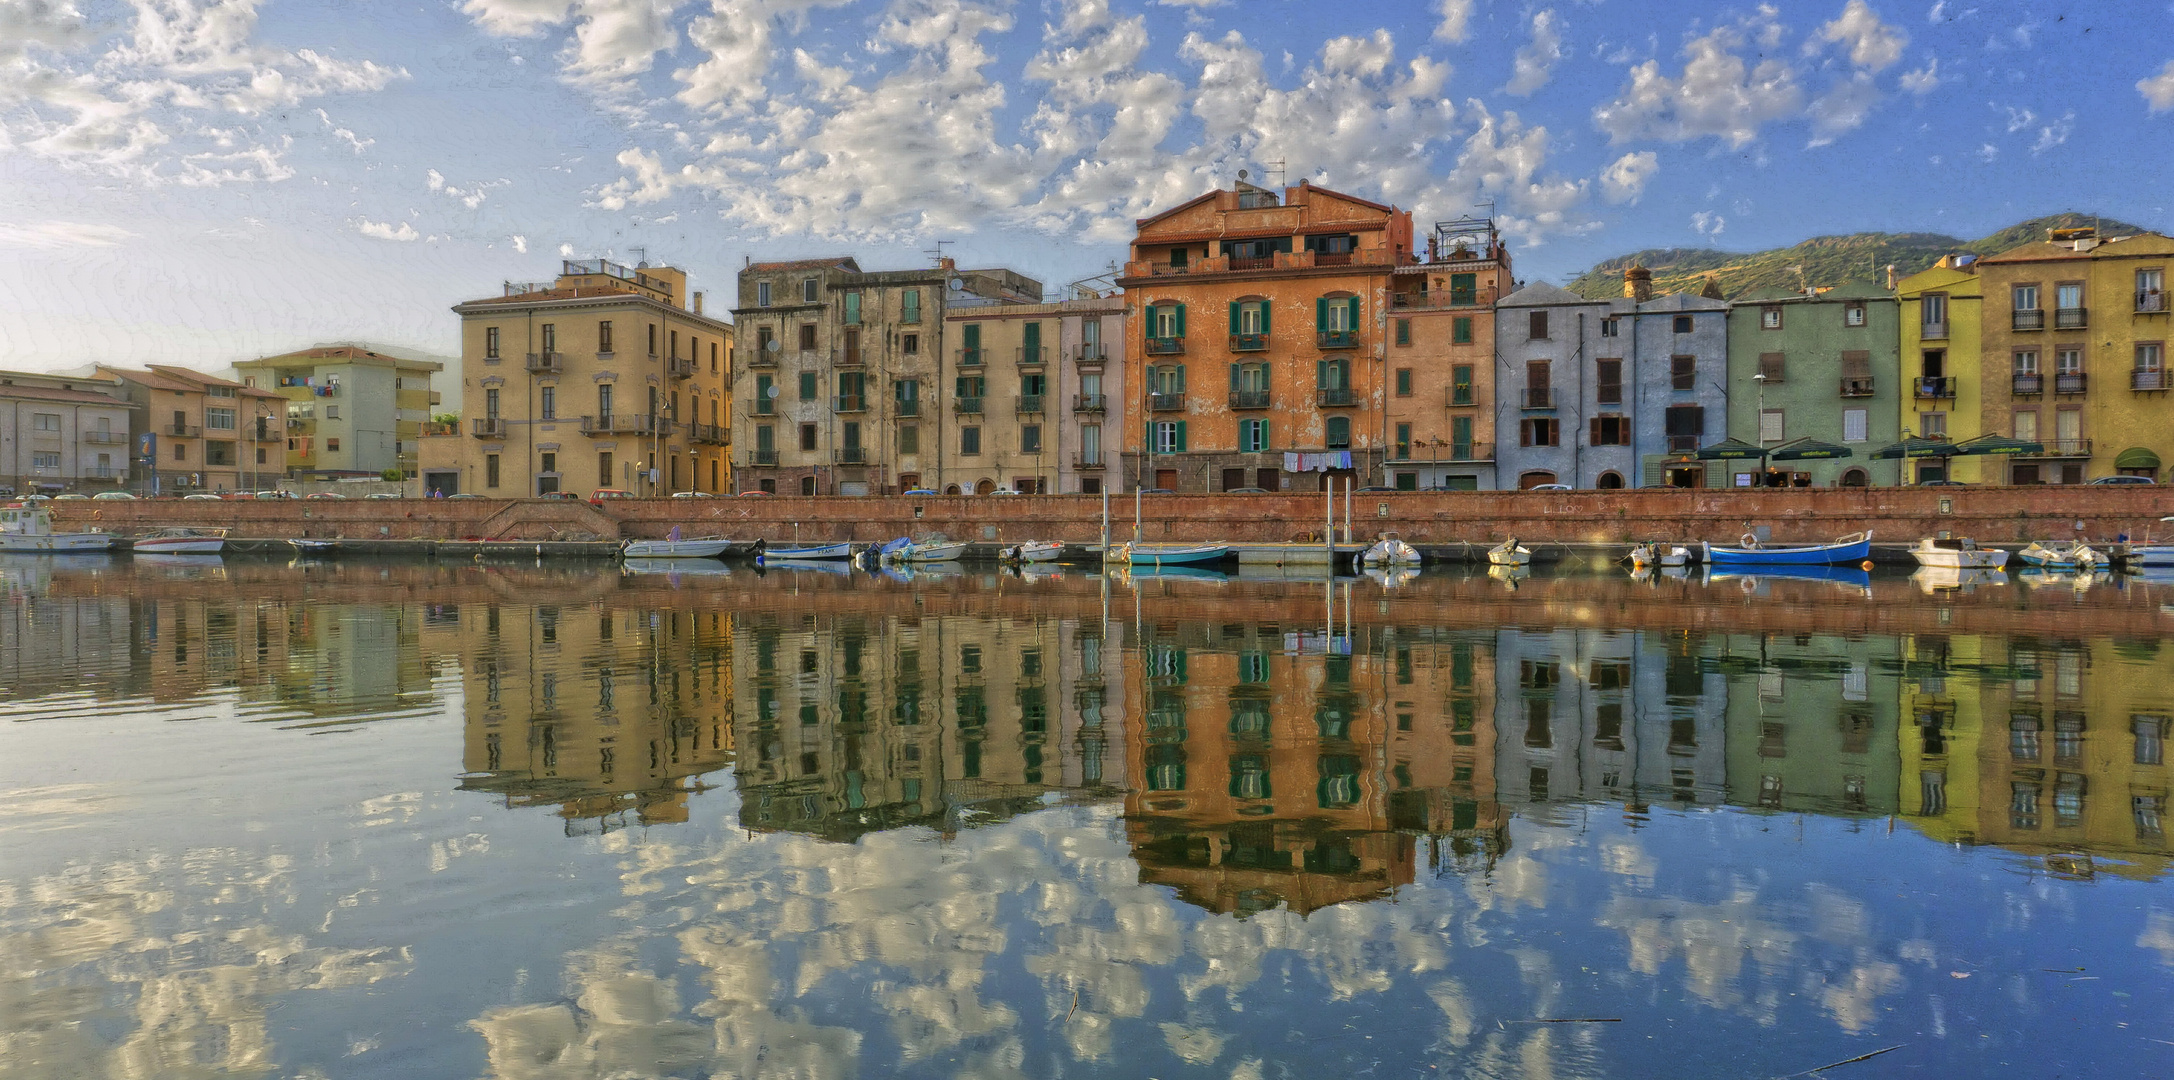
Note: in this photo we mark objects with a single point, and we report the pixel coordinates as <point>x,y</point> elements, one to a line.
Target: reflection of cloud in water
<point>2158,934</point>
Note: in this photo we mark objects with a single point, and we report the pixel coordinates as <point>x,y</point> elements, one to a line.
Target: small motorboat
<point>926,551</point>
<point>806,553</point>
<point>1032,551</point>
<point>2146,555</point>
<point>1652,553</point>
<point>315,549</point>
<point>1172,554</point>
<point>1389,552</point>
<point>2061,555</point>
<point>1751,551</point>
<point>708,547</point>
<point>1509,553</point>
<point>30,529</point>
<point>1937,580</point>
<point>1962,554</point>
<point>181,542</point>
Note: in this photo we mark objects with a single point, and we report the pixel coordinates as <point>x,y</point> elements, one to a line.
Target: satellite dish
<point>958,283</point>
<point>770,345</point>
<point>773,393</point>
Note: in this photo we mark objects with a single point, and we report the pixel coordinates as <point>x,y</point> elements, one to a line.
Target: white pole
<point>1348,485</point>
<point>1105,522</point>
<point>1328,519</point>
<point>1135,513</point>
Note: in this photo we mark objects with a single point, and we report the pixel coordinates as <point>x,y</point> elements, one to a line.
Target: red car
<point>597,497</point>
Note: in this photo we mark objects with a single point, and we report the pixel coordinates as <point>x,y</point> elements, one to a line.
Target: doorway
<point>1530,480</point>
<point>1855,478</point>
<point>985,487</point>
<point>1609,481</point>
<point>1166,479</point>
<point>1687,476</point>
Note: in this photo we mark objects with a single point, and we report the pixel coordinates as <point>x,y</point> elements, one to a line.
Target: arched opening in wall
<point>1854,478</point>
<point>951,489</point>
<point>1530,480</point>
<point>1609,481</point>
<point>984,486</point>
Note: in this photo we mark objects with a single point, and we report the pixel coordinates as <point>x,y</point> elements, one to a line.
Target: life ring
<point>1749,540</point>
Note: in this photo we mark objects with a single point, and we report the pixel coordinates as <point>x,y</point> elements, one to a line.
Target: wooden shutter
<point>1265,305</point>
<point>1234,316</point>
<point>1181,436</point>
<point>1352,324</point>
<point>1320,306</point>
<point>1033,337</point>
<point>1856,365</point>
<point>1592,437</point>
<point>1234,378</point>
<point>1181,320</point>
<point>971,335</point>
<point>1770,365</point>
<point>1181,378</point>
<point>1538,325</point>
<point>1536,374</point>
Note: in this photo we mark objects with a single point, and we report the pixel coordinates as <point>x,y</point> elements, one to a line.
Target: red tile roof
<point>45,393</point>
<point>838,262</point>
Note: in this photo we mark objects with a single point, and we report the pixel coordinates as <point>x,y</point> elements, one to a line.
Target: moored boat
<point>1654,553</point>
<point>806,553</point>
<point>1509,553</point>
<point>1389,551</point>
<point>931,551</point>
<point>2061,555</point>
<point>1172,554</point>
<point>1032,551</point>
<point>30,529</point>
<point>180,542</point>
<point>1751,551</point>
<point>315,548</point>
<point>1962,554</point>
<point>708,547</point>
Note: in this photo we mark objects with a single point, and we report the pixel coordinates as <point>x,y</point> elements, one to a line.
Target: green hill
<point>1825,260</point>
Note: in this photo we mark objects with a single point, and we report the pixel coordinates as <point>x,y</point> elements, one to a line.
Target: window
<point>1030,438</point>
<point>807,436</point>
<point>1683,324</point>
<point>2026,362</point>
<point>490,402</point>
<point>810,387</point>
<point>969,440</point>
<point>1683,372</point>
<point>1252,436</point>
<point>1854,425</point>
<point>1536,326</point>
<point>1403,331</point>
<point>1932,425</point>
<point>548,462</point>
<point>1338,432</point>
<point>1460,330</point>
<point>603,336</point>
<point>1853,314</point>
<point>2150,357</point>
<point>909,439</point>
<point>2026,297</point>
<point>807,337</point>
<point>1404,382</point>
<point>1686,425</point>
<point>46,421</point>
<point>1537,431</point>
<point>909,344</point>
<point>1609,430</point>
<point>1770,318</point>
<point>1167,436</point>
<point>969,386</point>
<point>1608,382</point>
<point>1403,442</point>
<point>1249,317</point>
<point>490,343</point>
<point>1770,425</point>
<point>550,337</point>
<point>1166,322</point>
<point>762,294</point>
<point>1611,327</point>
<point>548,400</point>
<point>1773,365</point>
<point>652,339</point>
<point>50,459</point>
<point>852,309</point>
<point>765,439</point>
<point>603,468</point>
<point>332,412</point>
<point>909,306</point>
<point>1460,385</point>
<point>1090,440</point>
<point>2068,361</point>
<point>490,470</point>
<point>1336,315</point>
<point>807,290</point>
<point>1333,374</point>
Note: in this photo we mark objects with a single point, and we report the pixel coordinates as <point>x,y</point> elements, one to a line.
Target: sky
<point>205,181</point>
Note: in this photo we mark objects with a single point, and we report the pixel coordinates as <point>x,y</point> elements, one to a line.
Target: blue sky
<point>200,181</point>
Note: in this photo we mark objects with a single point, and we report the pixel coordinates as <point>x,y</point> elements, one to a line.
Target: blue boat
<point>811,552</point>
<point>1174,554</point>
<point>1840,575</point>
<point>1854,548</point>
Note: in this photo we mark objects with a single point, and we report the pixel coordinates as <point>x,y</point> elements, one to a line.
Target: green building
<point>1815,364</point>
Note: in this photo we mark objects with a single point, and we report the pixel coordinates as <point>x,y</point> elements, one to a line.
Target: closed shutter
<point>1686,420</point>
<point>1321,374</point>
<point>1181,436</point>
<point>1352,324</point>
<point>1265,305</point>
<point>1856,365</point>
<point>1770,365</point>
<point>1033,338</point>
<point>1234,316</point>
<point>1181,320</point>
<point>1260,435</point>
<point>1320,309</point>
<point>970,335</point>
<point>1181,378</point>
<point>1538,327</point>
<point>1234,378</point>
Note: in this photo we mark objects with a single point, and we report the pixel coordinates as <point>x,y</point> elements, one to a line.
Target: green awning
<point>1810,449</point>
<point>1999,444</point>
<point>2136,457</point>
<point>1915,448</point>
<point>1730,450</point>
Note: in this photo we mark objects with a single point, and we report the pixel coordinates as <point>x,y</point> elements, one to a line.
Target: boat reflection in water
<point>990,825</point>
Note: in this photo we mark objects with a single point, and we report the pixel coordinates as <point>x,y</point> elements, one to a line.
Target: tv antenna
<point>1276,168</point>
<point>938,255</point>
<point>641,258</point>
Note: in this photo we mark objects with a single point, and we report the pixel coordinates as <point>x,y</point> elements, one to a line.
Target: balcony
<point>1249,399</point>
<point>1337,339</point>
<point>711,434</point>
<point>1095,464</point>
<point>106,438</point>
<point>2151,303</point>
<point>1090,354</point>
<point>1542,397</point>
<point>967,406</point>
<point>1934,331</point>
<point>1332,258</point>
<point>1249,342</point>
<point>1471,452</point>
<point>907,407</point>
<point>763,457</point>
<point>1462,394</point>
<point>846,357</point>
<point>1166,403</point>
<point>1435,301</point>
<point>1090,403</point>
<point>848,403</point>
<point>2070,383</point>
<point>1165,346</point>
<point>181,431</point>
<point>2151,380</point>
<point>1253,262</point>
<point>851,455</point>
<point>104,472</point>
<point>969,357</point>
<point>2026,384</point>
<point>1334,397</point>
<point>626,424</point>
<point>1936,386</point>
<point>759,357</point>
<point>2033,319</point>
<point>1030,404</point>
<point>2071,318</point>
<point>2063,448</point>
<point>434,429</point>
<point>546,363</point>
<point>765,407</point>
<point>487,428</point>
<point>678,368</point>
<point>1031,355</point>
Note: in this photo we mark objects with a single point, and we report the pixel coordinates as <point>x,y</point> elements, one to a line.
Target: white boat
<point>2062,555</point>
<point>708,547</point>
<point>1509,553</point>
<point>1390,552</point>
<point>315,548</point>
<point>181,542</point>
<point>799,553</point>
<point>929,552</point>
<point>1033,551</point>
<point>30,528</point>
<point>1964,554</point>
<point>2148,555</point>
<point>1935,580</point>
<point>1655,554</point>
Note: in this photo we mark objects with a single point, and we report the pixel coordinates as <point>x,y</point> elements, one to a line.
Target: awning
<point>1915,448</point>
<point>1999,444</point>
<point>1810,449</point>
<point>1730,450</point>
<point>2136,457</point>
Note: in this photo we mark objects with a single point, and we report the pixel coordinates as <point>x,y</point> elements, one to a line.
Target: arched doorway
<point>985,486</point>
<point>951,489</point>
<point>1530,480</point>
<point>1609,481</point>
<point>1854,478</point>
<point>909,481</point>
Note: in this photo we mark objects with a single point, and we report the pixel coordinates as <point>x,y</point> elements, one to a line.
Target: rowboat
<point>1962,554</point>
<point>703,548</point>
<point>181,542</point>
<point>1654,554</point>
<point>1854,548</point>
<point>2147,555</point>
<point>1172,554</point>
<point>1389,551</point>
<point>1509,553</point>
<point>813,552</point>
<point>315,548</point>
<point>30,529</point>
<point>1032,551</point>
<point>2061,555</point>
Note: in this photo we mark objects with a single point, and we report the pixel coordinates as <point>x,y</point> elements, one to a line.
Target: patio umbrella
<point>1810,449</point>
<point>1998,444</point>
<point>1730,450</point>
<point>1914,447</point>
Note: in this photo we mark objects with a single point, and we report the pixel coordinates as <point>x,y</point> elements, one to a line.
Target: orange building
<point>1441,360</point>
<point>1295,380</point>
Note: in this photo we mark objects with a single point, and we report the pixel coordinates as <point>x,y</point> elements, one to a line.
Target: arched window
<point>1338,429</point>
<point>1610,481</point>
<point>1855,478</point>
<point>1530,480</point>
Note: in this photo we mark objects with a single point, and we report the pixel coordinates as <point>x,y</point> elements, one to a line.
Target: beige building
<point>608,377</point>
<point>192,432</point>
<point>850,383</point>
<point>1032,393</point>
<point>350,411</point>
<point>62,433</point>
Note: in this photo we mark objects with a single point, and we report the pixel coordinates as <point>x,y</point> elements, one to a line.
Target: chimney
<point>1890,276</point>
<point>698,302</point>
<point>1638,283</point>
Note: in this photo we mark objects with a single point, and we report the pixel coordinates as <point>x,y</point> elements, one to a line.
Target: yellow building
<point>193,432</point>
<point>349,410</point>
<point>2075,335</point>
<point>1941,361</point>
<point>608,377</point>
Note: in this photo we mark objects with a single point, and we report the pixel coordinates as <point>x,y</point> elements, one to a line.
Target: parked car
<point>72,497</point>
<point>324,495</point>
<point>277,495</point>
<point>201,497</point>
<point>558,495</point>
<point>465,495</point>
<point>1942,483</point>
<point>1551,487</point>
<point>692,495</point>
<point>1157,491</point>
<point>384,495</point>
<point>757,491</point>
<point>1004,491</point>
<point>37,498</point>
<point>2122,480</point>
<point>1377,488</point>
<point>597,497</point>
<point>113,496</point>
<point>1245,491</point>
<point>914,491</point>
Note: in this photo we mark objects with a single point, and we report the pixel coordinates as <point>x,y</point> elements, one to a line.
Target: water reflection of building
<point>1291,770</point>
<point>610,715</point>
<point>856,722</point>
<point>2049,746</point>
<point>1811,722</point>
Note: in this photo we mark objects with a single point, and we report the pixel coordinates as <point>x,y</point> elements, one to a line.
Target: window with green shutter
<point>809,390</point>
<point>1403,331</point>
<point>1031,340</point>
<point>1460,330</point>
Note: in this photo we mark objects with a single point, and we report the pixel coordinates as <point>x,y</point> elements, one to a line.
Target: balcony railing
<point>679,368</point>
<point>546,363</point>
<point>966,405</point>
<point>1087,463</point>
<point>626,424</point>
<point>850,455</point>
<point>1447,298</point>
<point>759,358</point>
<point>1461,394</point>
<point>969,357</point>
<point>1267,262</point>
<point>2026,383</point>
<point>2063,448</point>
<point>488,428</point>
<point>106,438</point>
<point>711,434</point>
<point>1337,339</point>
<point>1090,403</point>
<point>1332,258</point>
<point>1857,387</point>
<point>1936,386</point>
<point>1248,342</point>
<point>2070,383</point>
<point>846,357</point>
<point>1249,399</point>
<point>1031,354</point>
<point>1091,354</point>
<point>1030,404</point>
<point>1934,331</point>
<point>1471,452</point>
<point>764,457</point>
<point>1166,403</point>
<point>2150,303</point>
<point>2071,318</point>
<point>1335,397</point>
<point>2151,380</point>
<point>436,429</point>
<point>182,431</point>
<point>2027,320</point>
<point>765,407</point>
<point>848,403</point>
<point>103,472</point>
<point>906,406</point>
<point>1165,346</point>
<point>1542,397</point>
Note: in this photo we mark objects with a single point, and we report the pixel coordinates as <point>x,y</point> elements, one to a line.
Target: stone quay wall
<point>2004,515</point>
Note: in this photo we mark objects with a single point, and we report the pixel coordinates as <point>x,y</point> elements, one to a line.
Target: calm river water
<point>393,820</point>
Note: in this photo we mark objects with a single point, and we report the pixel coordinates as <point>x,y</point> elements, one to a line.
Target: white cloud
<point>386,230</point>
<point>2159,89</point>
<point>1873,45</point>
<point>739,37</point>
<point>1842,108</point>
<point>520,244</point>
<point>613,41</point>
<point>1193,3</point>
<point>1719,95</point>
<point>2018,119</point>
<point>1624,180</point>
<point>1708,225</point>
<point>1535,62</point>
<point>1923,80</point>
<point>517,18</point>
<point>1456,19</point>
<point>566,251</point>
<point>56,235</point>
<point>1988,152</point>
<point>471,196</point>
<point>2054,133</point>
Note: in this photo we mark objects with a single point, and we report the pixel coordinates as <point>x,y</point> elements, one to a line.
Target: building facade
<point>192,432</point>
<point>846,373</point>
<point>1441,399</point>
<point>1817,365</point>
<point>2074,336</point>
<point>1939,355</point>
<point>1610,393</point>
<point>1296,382</point>
<point>1031,397</point>
<point>350,411</point>
<point>607,377</point>
<point>62,433</point>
